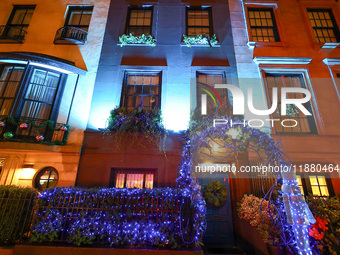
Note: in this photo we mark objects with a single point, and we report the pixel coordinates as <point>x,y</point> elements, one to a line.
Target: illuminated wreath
<point>215,193</point>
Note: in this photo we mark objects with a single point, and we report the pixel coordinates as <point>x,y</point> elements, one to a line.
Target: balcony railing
<point>32,131</point>
<point>70,35</point>
<point>11,34</point>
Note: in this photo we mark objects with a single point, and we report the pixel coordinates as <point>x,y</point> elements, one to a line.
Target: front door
<point>219,220</point>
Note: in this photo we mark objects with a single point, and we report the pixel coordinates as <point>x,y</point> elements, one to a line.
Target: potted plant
<point>259,213</point>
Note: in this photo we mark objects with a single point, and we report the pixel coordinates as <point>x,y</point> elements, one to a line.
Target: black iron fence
<point>16,212</point>
<point>115,217</point>
<point>12,33</point>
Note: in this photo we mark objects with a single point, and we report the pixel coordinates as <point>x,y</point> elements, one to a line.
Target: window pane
<point>139,22</point>
<point>322,180</point>
<point>324,191</point>
<point>316,191</point>
<point>313,180</point>
<point>19,16</point>
<point>74,18</point>
<point>120,181</point>
<point>149,181</point>
<point>134,181</point>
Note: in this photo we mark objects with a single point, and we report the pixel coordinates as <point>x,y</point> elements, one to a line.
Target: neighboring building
<point>294,43</point>
<point>49,54</point>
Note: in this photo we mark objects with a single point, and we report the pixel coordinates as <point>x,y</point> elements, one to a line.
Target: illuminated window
<point>324,25</point>
<point>199,21</point>
<point>79,16</point>
<point>134,178</point>
<point>46,178</point>
<point>139,21</point>
<point>305,124</point>
<point>319,186</point>
<point>299,180</point>
<point>315,184</point>
<point>10,78</point>
<point>140,86</point>
<point>262,25</point>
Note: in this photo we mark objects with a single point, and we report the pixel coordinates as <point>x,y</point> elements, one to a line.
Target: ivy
<point>200,40</point>
<point>131,39</point>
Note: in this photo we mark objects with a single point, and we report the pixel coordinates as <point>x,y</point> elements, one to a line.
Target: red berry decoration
<point>39,138</point>
<point>63,128</point>
<point>2,124</point>
<point>23,126</point>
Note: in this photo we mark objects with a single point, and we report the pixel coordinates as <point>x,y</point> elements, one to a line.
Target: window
<point>262,25</point>
<point>299,180</point>
<point>199,21</point>
<point>305,124</point>
<point>324,25</point>
<point>140,87</point>
<point>317,184</point>
<point>134,178</point>
<point>2,162</point>
<point>46,178</point>
<point>10,78</point>
<point>79,16</point>
<point>139,21</point>
<point>39,93</point>
<point>18,22</point>
<point>207,80</point>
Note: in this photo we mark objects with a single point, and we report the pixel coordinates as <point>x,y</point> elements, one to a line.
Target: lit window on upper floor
<point>262,24</point>
<point>324,26</point>
<point>139,21</point>
<point>17,24</point>
<point>142,87</point>
<point>76,26</point>
<point>298,123</point>
<point>199,21</point>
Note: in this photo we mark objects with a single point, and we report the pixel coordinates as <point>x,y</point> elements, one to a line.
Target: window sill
<point>328,45</point>
<point>218,45</point>
<point>252,44</point>
<point>136,44</point>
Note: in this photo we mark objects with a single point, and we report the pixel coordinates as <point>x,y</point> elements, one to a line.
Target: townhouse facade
<point>48,63</point>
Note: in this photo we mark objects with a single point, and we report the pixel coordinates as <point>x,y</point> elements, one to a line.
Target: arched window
<point>46,178</point>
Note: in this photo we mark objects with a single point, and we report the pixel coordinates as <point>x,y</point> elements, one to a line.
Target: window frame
<point>77,8</point>
<point>316,5</point>
<point>15,8</point>
<point>140,72</point>
<point>335,25</point>
<point>313,125</point>
<point>199,8</point>
<point>280,29</point>
<point>40,173</point>
<point>307,187</point>
<point>138,7</point>
<point>144,171</point>
<point>18,103</point>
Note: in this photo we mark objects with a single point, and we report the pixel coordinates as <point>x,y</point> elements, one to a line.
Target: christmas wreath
<point>215,193</point>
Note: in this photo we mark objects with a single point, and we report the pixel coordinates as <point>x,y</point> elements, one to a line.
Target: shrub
<point>16,208</point>
<point>327,211</point>
<point>112,216</point>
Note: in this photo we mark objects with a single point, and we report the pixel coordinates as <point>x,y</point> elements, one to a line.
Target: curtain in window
<point>9,83</point>
<point>40,95</point>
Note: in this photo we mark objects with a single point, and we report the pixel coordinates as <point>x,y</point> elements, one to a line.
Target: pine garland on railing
<point>9,126</point>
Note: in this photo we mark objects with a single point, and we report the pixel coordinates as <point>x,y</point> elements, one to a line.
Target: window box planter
<point>143,40</point>
<point>200,40</point>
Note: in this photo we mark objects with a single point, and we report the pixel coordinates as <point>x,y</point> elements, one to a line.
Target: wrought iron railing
<point>70,35</point>
<point>12,34</point>
<point>16,214</point>
<point>115,213</point>
<point>32,131</point>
